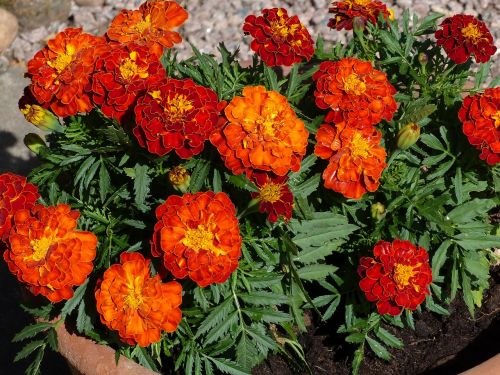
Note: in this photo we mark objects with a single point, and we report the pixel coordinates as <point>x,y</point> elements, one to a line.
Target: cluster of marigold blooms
<point>257,134</point>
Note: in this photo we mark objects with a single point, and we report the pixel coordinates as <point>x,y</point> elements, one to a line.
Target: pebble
<point>8,28</point>
<point>89,3</point>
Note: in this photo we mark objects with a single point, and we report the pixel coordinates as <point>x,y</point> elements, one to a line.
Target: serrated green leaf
<point>71,304</point>
<point>141,185</point>
<point>469,210</point>
<point>52,340</point>
<point>359,354</point>
<point>432,141</point>
<point>264,298</point>
<point>216,316</point>
<point>467,293</point>
<point>379,350</point>
<point>104,182</point>
<point>28,349</point>
<point>31,331</point>
<point>355,338</point>
<point>199,175</point>
<point>389,339</point>
<point>477,241</point>
<point>440,257</point>
<point>316,271</point>
<point>228,367</point>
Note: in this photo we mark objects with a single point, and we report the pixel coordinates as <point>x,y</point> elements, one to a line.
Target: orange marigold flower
<point>398,276</point>
<point>278,38</point>
<point>16,193</point>
<point>355,91</point>
<point>198,236</point>
<point>480,116</point>
<point>177,115</point>
<point>135,304</point>
<point>47,253</point>
<point>62,69</point>
<point>263,133</point>
<point>151,25</point>
<point>356,159</point>
<point>462,36</point>
<point>274,196</point>
<point>366,10</point>
<point>122,72</point>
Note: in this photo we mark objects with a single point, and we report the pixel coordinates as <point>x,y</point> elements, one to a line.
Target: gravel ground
<point>211,21</point>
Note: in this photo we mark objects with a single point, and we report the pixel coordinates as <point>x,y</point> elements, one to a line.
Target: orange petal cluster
<point>15,194</point>
<point>263,133</point>
<point>356,92</point>
<point>278,38</point>
<point>61,70</point>
<point>135,304</point>
<point>151,25</point>
<point>198,236</point>
<point>397,277</point>
<point>274,196</point>
<point>480,116</point>
<point>367,10</point>
<point>47,253</point>
<point>356,159</point>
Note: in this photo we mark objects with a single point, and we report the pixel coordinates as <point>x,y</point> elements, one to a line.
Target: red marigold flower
<point>278,38</point>
<point>47,253</point>
<point>15,194</point>
<point>62,69</point>
<point>366,10</point>
<point>135,304</point>
<point>151,25</point>
<point>198,236</point>
<point>177,115</point>
<point>274,196</point>
<point>122,72</point>
<point>480,116</point>
<point>263,133</point>
<point>355,91</point>
<point>462,36</point>
<point>398,276</point>
<point>356,159</point>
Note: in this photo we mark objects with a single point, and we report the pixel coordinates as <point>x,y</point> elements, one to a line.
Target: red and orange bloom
<point>177,115</point>
<point>397,277</point>
<point>151,25</point>
<point>122,72</point>
<point>15,194</point>
<point>480,116</point>
<point>367,10</point>
<point>274,196</point>
<point>62,69</point>
<point>355,91</point>
<point>198,236</point>
<point>462,36</point>
<point>47,253</point>
<point>278,38</point>
<point>135,304</point>
<point>356,159</point>
<point>263,133</point>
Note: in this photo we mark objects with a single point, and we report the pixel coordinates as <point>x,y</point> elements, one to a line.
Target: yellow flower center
<point>33,113</point>
<point>403,273</point>
<point>143,25</point>
<point>134,299</point>
<point>472,33</point>
<point>270,192</point>
<point>496,119</point>
<point>177,107</point>
<point>129,69</point>
<point>201,239</point>
<point>268,126</point>
<point>62,60</point>
<point>359,146</point>
<point>281,29</point>
<point>354,85</point>
<point>362,3</point>
<point>40,248</point>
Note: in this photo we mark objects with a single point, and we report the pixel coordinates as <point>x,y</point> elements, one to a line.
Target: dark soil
<point>440,345</point>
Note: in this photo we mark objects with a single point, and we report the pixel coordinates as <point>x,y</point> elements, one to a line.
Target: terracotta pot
<point>490,367</point>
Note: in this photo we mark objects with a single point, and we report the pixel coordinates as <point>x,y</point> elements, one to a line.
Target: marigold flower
<point>367,10</point>
<point>198,236</point>
<point>16,193</point>
<point>135,304</point>
<point>355,91</point>
<point>398,276</point>
<point>480,116</point>
<point>356,159</point>
<point>47,253</point>
<point>263,133</point>
<point>462,36</point>
<point>62,69</point>
<point>177,115</point>
<point>278,38</point>
<point>122,72</point>
<point>151,25</point>
<point>274,196</point>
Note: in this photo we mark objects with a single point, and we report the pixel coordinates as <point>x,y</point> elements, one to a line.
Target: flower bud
<point>423,58</point>
<point>358,24</point>
<point>391,14</point>
<point>179,177</point>
<point>378,211</point>
<point>35,143</point>
<point>42,118</point>
<point>408,136</point>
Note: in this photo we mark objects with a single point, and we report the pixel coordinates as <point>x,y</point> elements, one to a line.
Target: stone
<point>8,29</point>
<point>35,13</point>
<point>89,3</point>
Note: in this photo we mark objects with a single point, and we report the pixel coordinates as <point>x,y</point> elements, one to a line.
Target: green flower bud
<point>35,143</point>
<point>40,117</point>
<point>423,58</point>
<point>378,211</point>
<point>408,136</point>
<point>179,177</point>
